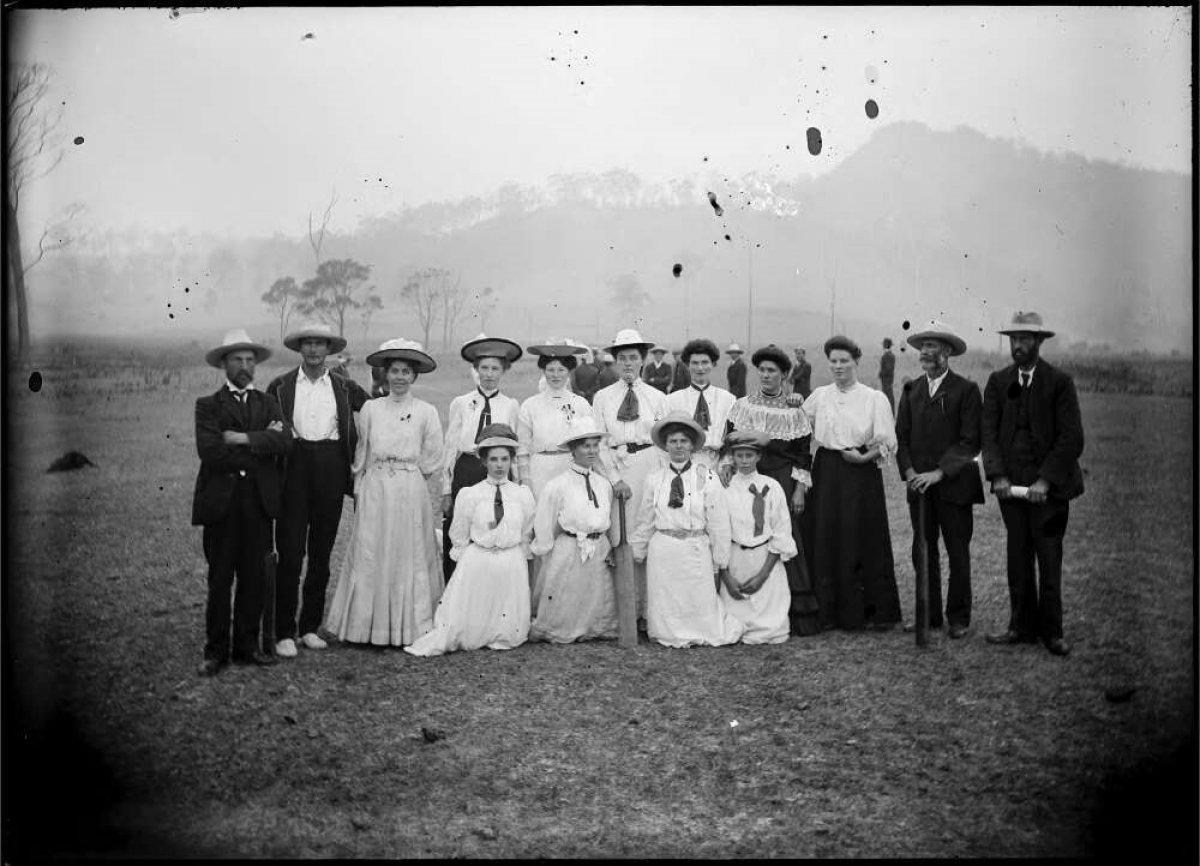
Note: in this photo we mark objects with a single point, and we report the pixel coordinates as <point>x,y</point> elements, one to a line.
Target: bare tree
<point>31,152</point>
<point>282,296</point>
<point>339,287</point>
<point>316,237</point>
<point>424,290</point>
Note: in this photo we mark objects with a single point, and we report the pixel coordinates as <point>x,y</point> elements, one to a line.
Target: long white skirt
<point>486,605</point>
<point>577,600</point>
<point>764,614</point>
<point>391,578</point>
<point>682,605</point>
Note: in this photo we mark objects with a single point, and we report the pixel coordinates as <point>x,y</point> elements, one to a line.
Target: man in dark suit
<point>319,404</point>
<point>1032,440</point>
<point>937,438</point>
<point>657,372</point>
<point>240,433</point>
<point>736,373</point>
<point>887,372</point>
<point>801,375</point>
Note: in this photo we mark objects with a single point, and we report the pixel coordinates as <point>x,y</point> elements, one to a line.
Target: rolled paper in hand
<point>1018,492</point>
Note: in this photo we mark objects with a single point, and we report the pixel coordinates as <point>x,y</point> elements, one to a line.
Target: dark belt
<point>317,444</point>
<point>752,546</point>
<point>594,534</point>
<point>634,448</point>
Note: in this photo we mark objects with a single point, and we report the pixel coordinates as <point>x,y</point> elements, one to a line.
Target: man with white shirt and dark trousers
<point>707,404</point>
<point>468,415</point>
<point>937,441</point>
<point>319,404</point>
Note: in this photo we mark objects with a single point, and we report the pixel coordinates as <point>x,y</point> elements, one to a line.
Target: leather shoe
<point>1058,646</point>
<point>210,667</point>
<point>256,658</point>
<point>1008,637</point>
<point>313,641</point>
<point>286,648</point>
<point>956,631</point>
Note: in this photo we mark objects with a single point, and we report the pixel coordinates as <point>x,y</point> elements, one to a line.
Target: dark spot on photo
<point>712,200</point>
<point>35,381</point>
<point>677,270</point>
<point>728,238</point>
<point>79,139</point>
<point>308,36</point>
<point>814,140</point>
<point>905,324</point>
<point>872,109</point>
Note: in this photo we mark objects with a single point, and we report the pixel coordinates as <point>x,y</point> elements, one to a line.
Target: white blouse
<point>860,415</point>
<point>545,420</point>
<point>397,435</point>
<point>777,520</point>
<point>719,401</point>
<point>474,514</point>
<point>704,509</point>
<point>652,407</point>
<point>565,507</point>
<point>462,420</point>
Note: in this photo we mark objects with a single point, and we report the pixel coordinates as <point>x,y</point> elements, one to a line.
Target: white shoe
<point>313,641</point>
<point>286,648</point>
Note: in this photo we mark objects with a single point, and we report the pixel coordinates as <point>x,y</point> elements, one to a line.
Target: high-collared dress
<point>574,586</point>
<point>719,402</point>
<point>461,466</point>
<point>391,578</point>
<point>487,603</point>
<point>543,422</point>
<point>629,455</point>
<point>683,547</point>
<point>765,613</point>
<point>845,523</point>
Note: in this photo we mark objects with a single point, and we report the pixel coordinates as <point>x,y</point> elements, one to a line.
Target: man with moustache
<point>707,404</point>
<point>320,405</point>
<point>1032,441</point>
<point>937,436</point>
<point>240,434</point>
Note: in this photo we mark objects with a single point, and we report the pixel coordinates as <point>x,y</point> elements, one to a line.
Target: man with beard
<point>240,433</point>
<point>320,404</point>
<point>1032,440</point>
<point>937,436</point>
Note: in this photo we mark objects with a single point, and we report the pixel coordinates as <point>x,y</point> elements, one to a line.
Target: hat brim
<point>293,341</point>
<point>491,347</point>
<point>595,434</point>
<point>957,345</point>
<point>1035,330</point>
<point>495,442</point>
<point>644,347</point>
<point>420,360</point>
<point>555,351</point>
<point>659,434</point>
<point>216,357</point>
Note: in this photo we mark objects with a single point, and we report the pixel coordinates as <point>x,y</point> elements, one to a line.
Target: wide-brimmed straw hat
<point>734,349</point>
<point>232,342</point>
<point>484,346</point>
<point>314,331</point>
<point>401,349</point>
<point>629,338</point>
<point>1027,323</point>
<point>743,439</point>
<point>495,435</point>
<point>659,432</point>
<point>584,428</point>
<point>939,331</point>
<point>557,347</point>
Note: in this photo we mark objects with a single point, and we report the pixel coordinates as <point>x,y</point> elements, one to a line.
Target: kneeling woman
<point>487,603</point>
<point>574,585</point>
<point>761,526</point>
<point>681,534</point>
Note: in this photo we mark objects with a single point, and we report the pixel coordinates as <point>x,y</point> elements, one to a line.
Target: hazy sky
<point>232,121</point>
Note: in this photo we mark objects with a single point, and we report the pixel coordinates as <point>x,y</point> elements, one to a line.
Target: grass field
<point>846,744</point>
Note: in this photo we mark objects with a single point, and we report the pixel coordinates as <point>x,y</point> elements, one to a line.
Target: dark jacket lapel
<point>287,394</point>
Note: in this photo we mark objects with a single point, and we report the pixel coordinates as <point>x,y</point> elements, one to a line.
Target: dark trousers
<point>1035,532</point>
<point>236,547</point>
<point>468,470</point>
<point>311,510</point>
<point>955,523</point>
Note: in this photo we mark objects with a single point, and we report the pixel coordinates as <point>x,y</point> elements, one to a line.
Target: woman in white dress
<point>682,535</point>
<point>574,584</point>
<point>487,603</point>
<point>391,578</point>
<point>761,532</point>
<point>547,418</point>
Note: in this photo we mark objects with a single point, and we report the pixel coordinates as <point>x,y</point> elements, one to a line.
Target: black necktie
<point>676,498</point>
<point>1025,380</point>
<point>758,508</point>
<point>485,417</point>
<point>497,508</point>
<point>628,410</point>
<point>700,416</point>
<point>587,482</point>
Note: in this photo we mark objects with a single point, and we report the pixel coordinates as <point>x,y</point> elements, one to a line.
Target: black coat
<point>349,397</point>
<point>220,463</point>
<point>1054,422</point>
<point>942,433</point>
<point>736,374</point>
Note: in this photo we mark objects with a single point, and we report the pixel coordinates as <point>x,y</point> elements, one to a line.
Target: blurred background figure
<point>801,374</point>
<point>887,373</point>
<point>658,371</point>
<point>681,378</point>
<point>736,374</point>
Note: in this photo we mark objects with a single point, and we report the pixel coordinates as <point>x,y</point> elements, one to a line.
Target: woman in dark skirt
<point>845,522</point>
<point>783,431</point>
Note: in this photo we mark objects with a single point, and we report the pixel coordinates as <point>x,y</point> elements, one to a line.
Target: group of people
<point>749,518</point>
